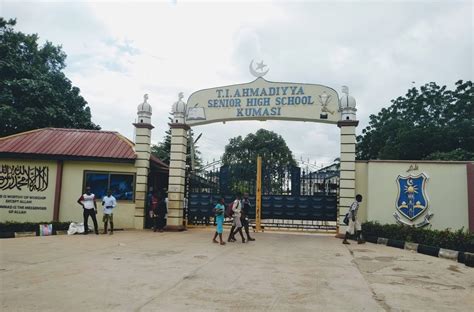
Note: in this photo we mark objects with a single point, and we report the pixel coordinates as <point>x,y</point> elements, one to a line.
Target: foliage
<point>241,157</point>
<point>162,150</point>
<point>460,240</point>
<point>431,123</point>
<point>34,92</point>
<point>6,227</point>
<point>457,154</point>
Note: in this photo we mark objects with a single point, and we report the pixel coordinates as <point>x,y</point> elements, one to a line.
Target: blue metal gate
<point>300,199</point>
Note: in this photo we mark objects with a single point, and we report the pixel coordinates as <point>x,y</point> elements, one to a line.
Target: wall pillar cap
<point>345,123</point>
<point>143,125</point>
<point>179,126</point>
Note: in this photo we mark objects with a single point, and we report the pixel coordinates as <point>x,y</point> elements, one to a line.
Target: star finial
<point>261,66</point>
<point>259,70</point>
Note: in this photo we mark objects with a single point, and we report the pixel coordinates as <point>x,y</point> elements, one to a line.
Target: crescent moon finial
<point>260,66</point>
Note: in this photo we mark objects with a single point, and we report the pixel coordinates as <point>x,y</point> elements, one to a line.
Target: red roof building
<point>43,172</point>
<point>55,143</point>
<point>72,144</point>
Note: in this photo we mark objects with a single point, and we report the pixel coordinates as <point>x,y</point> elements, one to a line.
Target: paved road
<point>145,271</point>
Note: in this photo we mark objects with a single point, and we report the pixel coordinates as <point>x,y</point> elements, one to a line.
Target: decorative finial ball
<point>144,107</point>
<point>347,101</point>
<point>179,107</point>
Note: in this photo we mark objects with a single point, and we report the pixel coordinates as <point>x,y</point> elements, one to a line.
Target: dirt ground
<point>146,271</point>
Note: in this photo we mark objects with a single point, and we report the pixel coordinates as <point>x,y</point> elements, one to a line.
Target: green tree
<point>240,156</point>
<point>163,148</point>
<point>34,92</point>
<point>430,123</point>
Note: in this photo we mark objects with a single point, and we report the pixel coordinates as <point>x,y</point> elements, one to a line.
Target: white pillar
<point>143,129</point>
<point>347,178</point>
<point>177,177</point>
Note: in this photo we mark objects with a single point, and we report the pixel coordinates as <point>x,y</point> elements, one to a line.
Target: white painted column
<point>347,178</point>
<point>177,177</point>
<point>142,165</point>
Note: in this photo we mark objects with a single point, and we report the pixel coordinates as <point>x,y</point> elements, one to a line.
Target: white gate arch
<point>262,100</point>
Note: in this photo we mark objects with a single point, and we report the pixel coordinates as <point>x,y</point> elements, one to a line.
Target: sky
<point>118,51</point>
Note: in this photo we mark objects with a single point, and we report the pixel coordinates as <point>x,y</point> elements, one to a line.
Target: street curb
<point>411,246</point>
<point>24,234</point>
<point>396,243</point>
<point>448,254</point>
<point>469,259</point>
<point>459,256</point>
<point>7,234</point>
<point>28,234</point>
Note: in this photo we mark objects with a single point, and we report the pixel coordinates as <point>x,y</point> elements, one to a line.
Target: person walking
<point>154,200</point>
<point>236,223</point>
<point>89,206</point>
<point>219,210</point>
<point>354,224</point>
<point>246,207</point>
<point>108,202</point>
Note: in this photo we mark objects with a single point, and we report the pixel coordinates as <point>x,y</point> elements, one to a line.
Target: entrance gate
<point>295,199</point>
<point>266,100</point>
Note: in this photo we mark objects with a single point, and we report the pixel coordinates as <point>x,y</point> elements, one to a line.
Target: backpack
<point>346,219</point>
<point>229,212</point>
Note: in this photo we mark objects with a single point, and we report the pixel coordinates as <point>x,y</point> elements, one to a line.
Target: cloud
<point>119,51</point>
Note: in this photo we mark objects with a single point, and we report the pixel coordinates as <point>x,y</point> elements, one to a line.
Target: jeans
<point>86,214</point>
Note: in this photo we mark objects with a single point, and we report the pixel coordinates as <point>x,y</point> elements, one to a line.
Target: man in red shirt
<point>89,206</point>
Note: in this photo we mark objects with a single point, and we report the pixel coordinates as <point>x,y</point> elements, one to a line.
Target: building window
<point>121,184</point>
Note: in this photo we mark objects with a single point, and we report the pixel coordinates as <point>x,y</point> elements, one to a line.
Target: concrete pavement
<point>146,271</point>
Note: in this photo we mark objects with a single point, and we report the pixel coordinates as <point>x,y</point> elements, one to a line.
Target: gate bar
<point>258,196</point>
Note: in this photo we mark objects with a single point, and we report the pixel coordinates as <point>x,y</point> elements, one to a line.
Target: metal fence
<point>293,198</point>
<point>278,211</point>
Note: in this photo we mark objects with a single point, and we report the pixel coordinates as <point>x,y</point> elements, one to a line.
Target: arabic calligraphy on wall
<point>33,178</point>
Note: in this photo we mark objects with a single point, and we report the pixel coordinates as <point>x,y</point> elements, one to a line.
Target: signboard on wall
<point>264,100</point>
<point>26,191</point>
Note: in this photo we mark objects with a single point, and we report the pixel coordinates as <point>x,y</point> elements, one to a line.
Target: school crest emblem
<point>412,201</point>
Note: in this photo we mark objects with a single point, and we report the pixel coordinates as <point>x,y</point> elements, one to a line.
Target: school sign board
<point>264,100</point>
